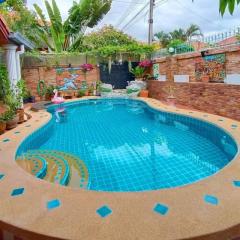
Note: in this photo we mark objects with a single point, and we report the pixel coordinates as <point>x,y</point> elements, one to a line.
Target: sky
<point>168,15</point>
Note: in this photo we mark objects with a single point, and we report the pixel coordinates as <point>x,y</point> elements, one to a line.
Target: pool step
<point>35,165</point>
<point>61,167</point>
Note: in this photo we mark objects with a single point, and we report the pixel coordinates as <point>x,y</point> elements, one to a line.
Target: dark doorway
<point>119,76</point>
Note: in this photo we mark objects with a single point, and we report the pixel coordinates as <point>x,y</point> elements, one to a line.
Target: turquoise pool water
<point>128,146</point>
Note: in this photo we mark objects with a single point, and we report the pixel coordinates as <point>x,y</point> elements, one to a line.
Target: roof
<point>4,32</point>
<point>19,39</point>
<point>228,41</point>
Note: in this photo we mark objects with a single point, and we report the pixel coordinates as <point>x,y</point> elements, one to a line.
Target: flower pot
<point>12,123</point>
<point>20,114</point>
<point>205,79</point>
<point>32,99</point>
<point>171,101</point>
<point>143,93</point>
<point>3,126</point>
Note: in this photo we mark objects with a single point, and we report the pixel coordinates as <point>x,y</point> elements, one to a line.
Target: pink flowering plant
<point>86,67</point>
<point>145,64</point>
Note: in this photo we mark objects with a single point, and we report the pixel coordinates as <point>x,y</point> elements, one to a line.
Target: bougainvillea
<point>145,64</point>
<point>86,67</point>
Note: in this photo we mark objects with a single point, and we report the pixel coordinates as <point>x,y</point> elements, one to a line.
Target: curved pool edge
<point>27,215</point>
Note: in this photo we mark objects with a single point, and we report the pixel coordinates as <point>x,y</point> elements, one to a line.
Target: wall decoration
<point>156,71</point>
<point>211,68</point>
<point>68,78</point>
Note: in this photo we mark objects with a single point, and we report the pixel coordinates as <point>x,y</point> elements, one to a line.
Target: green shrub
<point>81,92</point>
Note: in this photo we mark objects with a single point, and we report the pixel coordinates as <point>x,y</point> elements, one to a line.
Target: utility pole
<point>150,21</point>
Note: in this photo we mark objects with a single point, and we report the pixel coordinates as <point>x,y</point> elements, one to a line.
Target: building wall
<point>218,98</point>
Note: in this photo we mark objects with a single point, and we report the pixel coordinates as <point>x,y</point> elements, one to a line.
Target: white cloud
<point>168,16</point>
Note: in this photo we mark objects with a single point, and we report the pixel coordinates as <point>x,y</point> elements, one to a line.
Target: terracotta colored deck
<point>33,215</point>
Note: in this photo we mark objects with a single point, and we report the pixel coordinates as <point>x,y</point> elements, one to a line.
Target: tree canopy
<point>178,34</point>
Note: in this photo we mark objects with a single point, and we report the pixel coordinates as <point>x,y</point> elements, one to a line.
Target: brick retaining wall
<point>216,98</point>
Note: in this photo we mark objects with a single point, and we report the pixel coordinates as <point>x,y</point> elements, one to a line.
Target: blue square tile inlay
<point>2,176</point>
<point>236,183</point>
<point>17,191</point>
<point>161,209</point>
<point>104,211</point>
<point>53,204</point>
<point>211,199</point>
<point>6,140</point>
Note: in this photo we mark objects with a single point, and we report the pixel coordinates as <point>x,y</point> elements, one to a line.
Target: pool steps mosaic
<point>37,162</point>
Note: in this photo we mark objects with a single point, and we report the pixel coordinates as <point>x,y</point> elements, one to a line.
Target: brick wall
<point>49,75</point>
<point>185,64</point>
<point>217,98</point>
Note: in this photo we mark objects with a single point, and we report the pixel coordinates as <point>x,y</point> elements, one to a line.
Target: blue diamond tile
<point>104,211</point>
<point>2,176</point>
<point>161,209</point>
<point>53,204</point>
<point>17,191</point>
<point>234,126</point>
<point>211,199</point>
<point>236,183</point>
<point>17,132</point>
<point>6,140</point>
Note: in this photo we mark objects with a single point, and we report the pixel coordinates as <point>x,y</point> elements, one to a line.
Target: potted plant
<point>11,119</point>
<point>138,73</point>
<point>98,86</point>
<point>14,102</point>
<point>81,93</point>
<point>91,90</point>
<point>49,92</point>
<point>3,123</point>
<point>84,86</point>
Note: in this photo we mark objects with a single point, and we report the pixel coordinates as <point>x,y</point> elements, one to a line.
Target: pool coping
<point>207,209</point>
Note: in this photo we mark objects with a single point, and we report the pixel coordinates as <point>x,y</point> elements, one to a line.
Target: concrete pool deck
<point>32,208</point>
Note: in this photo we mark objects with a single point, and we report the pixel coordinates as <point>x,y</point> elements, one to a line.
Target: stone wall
<point>217,98</point>
<point>49,75</point>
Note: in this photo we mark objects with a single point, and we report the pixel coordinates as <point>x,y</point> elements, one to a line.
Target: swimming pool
<point>124,145</point>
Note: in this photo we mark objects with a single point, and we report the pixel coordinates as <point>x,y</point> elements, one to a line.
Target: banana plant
<point>230,4</point>
<point>51,33</point>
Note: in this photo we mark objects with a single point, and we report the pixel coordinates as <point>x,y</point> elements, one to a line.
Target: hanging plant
<point>41,88</point>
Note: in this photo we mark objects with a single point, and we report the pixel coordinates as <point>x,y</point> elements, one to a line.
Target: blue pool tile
<point>17,191</point>
<point>53,204</point>
<point>6,140</point>
<point>236,183</point>
<point>104,211</point>
<point>2,176</point>
<point>161,209</point>
<point>211,199</point>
